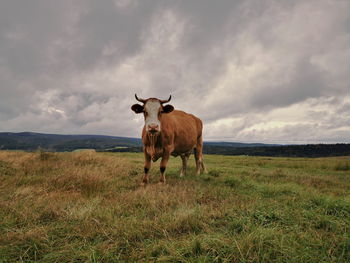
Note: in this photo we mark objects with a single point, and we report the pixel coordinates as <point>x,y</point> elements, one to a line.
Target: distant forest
<point>309,150</point>
<point>28,141</point>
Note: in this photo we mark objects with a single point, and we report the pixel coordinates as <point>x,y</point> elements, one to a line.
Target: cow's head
<point>152,110</point>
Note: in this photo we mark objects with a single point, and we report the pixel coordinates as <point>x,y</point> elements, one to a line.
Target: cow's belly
<point>183,148</point>
<point>175,154</point>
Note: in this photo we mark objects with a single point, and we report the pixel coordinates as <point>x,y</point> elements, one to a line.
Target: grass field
<point>89,207</point>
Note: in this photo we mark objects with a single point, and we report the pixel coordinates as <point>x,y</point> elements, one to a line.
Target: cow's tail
<point>198,153</point>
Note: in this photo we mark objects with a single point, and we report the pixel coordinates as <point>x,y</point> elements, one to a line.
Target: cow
<point>169,132</point>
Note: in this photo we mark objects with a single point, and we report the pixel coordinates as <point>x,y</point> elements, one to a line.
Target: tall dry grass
<point>89,207</point>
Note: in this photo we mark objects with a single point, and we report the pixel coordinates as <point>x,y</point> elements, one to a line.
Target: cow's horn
<point>140,100</point>
<point>165,101</point>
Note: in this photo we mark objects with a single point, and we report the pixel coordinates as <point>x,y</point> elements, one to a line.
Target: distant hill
<point>237,144</point>
<point>30,141</point>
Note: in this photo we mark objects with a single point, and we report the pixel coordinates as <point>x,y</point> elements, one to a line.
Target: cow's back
<point>181,129</point>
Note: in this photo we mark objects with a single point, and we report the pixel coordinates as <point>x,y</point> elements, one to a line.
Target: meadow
<point>90,207</point>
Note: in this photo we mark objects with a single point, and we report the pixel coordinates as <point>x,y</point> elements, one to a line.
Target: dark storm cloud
<point>308,82</point>
<point>252,70</point>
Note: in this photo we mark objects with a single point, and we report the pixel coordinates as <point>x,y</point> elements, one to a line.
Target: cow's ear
<point>137,108</point>
<point>168,108</point>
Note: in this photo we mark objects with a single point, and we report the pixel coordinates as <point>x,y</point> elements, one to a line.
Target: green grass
<point>90,207</point>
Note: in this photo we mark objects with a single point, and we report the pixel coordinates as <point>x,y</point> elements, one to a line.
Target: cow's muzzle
<point>153,128</point>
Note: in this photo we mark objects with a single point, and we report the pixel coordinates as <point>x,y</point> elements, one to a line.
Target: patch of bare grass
<point>342,166</point>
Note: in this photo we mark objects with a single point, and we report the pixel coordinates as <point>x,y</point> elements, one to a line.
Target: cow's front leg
<point>147,167</point>
<point>163,164</point>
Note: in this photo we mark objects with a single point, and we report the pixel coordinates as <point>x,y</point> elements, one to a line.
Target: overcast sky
<point>253,71</point>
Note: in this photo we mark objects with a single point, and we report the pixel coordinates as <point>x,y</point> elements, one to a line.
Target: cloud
<point>267,71</point>
<point>313,120</point>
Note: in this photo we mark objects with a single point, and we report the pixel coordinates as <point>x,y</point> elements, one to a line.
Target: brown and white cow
<point>168,131</point>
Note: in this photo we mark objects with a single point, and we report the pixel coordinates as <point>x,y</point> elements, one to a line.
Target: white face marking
<point>152,108</point>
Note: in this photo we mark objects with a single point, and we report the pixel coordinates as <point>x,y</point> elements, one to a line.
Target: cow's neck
<point>153,143</point>
<point>154,140</point>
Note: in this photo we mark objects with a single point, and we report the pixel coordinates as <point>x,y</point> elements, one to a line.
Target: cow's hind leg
<point>198,154</point>
<point>184,158</point>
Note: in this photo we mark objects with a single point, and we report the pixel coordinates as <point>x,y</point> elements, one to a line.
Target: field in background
<point>89,207</point>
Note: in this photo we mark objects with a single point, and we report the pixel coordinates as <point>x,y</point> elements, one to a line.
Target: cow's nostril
<point>153,126</point>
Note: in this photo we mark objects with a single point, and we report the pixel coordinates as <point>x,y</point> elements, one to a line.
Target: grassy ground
<point>89,207</point>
